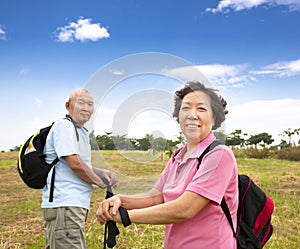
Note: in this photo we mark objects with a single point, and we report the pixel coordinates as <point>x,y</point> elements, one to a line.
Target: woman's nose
<point>192,115</point>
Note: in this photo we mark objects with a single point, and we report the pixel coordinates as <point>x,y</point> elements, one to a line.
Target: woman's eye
<point>201,109</point>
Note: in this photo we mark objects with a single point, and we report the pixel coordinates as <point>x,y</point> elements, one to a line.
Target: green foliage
<point>289,133</point>
<point>264,137</point>
<point>236,139</point>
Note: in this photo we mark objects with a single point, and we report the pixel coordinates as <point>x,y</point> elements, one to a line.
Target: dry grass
<point>21,223</point>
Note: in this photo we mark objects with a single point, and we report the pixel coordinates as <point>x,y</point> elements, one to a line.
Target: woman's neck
<point>189,149</point>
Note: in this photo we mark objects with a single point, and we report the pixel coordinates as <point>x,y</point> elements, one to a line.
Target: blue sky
<point>248,49</point>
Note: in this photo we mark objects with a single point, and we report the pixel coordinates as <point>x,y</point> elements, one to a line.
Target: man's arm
<point>86,173</point>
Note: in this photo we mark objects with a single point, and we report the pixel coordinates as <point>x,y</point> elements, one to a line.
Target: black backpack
<point>31,164</point>
<point>254,227</point>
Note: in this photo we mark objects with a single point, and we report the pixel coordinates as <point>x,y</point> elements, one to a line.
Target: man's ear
<point>67,105</point>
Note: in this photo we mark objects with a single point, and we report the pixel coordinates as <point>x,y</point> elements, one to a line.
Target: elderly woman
<point>185,198</point>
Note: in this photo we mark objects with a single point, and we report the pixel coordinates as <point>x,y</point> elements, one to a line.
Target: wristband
<point>124,216</point>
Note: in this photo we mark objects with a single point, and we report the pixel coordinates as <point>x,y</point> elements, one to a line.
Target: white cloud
<point>238,5</point>
<point>227,75</point>
<point>82,30</point>
<point>271,116</point>
<point>2,33</point>
<point>153,122</point>
<point>117,72</point>
<point>238,75</point>
<point>281,69</point>
<point>221,75</point>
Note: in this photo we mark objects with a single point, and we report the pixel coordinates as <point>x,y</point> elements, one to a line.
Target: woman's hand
<point>108,210</point>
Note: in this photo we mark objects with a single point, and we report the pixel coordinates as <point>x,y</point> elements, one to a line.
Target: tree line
<point>236,139</point>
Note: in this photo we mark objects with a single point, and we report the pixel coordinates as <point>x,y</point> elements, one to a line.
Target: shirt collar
<point>198,150</point>
<point>75,124</point>
<point>203,145</point>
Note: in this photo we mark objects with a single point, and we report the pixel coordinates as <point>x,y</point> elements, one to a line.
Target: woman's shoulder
<point>224,150</point>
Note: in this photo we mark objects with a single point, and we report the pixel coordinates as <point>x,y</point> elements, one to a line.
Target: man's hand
<point>107,176</point>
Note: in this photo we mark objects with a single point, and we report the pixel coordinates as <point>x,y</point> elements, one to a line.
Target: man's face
<point>81,107</point>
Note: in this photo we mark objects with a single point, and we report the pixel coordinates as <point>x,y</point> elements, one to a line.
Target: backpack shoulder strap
<point>223,203</point>
<point>227,214</point>
<point>175,153</point>
<point>75,125</point>
<point>56,160</point>
<point>209,148</point>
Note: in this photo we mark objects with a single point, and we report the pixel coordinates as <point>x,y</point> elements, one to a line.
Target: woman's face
<point>196,117</point>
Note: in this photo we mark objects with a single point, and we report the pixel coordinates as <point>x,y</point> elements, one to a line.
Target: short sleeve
<point>216,171</point>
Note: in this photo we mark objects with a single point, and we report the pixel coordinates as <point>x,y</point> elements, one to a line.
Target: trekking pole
<point>110,226</point>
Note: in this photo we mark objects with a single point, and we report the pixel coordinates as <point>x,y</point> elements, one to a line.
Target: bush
<point>252,153</point>
<point>290,153</point>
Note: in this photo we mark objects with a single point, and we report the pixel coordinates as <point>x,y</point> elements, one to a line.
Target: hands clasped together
<point>109,210</point>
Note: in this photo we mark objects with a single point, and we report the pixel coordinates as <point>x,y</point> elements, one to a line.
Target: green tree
<point>220,135</point>
<point>143,143</point>
<point>283,144</point>
<point>16,148</point>
<point>290,133</point>
<point>105,142</point>
<point>236,138</point>
<point>261,137</point>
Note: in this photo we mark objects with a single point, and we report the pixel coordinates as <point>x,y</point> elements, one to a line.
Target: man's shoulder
<point>62,123</point>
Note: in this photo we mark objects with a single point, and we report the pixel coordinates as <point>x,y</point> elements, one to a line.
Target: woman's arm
<point>110,207</point>
<point>183,208</point>
<point>152,198</point>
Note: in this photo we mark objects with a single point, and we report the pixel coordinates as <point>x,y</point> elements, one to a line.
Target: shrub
<point>290,153</point>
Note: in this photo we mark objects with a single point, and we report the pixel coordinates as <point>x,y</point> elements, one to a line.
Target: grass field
<point>20,216</point>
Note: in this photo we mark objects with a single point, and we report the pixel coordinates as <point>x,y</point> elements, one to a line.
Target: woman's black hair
<point>218,104</point>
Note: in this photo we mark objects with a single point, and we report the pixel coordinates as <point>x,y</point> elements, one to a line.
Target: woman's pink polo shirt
<point>216,177</point>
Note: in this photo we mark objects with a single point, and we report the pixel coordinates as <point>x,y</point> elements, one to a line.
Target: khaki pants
<point>64,227</point>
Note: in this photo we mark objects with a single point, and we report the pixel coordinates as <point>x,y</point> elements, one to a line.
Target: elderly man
<point>65,206</point>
